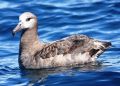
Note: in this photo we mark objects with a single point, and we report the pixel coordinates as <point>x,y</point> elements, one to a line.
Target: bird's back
<point>75,49</point>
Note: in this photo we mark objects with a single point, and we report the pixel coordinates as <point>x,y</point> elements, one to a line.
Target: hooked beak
<point>16,29</point>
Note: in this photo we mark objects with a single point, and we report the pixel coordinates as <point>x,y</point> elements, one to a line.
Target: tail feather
<point>107,44</point>
<point>101,47</point>
<point>98,48</point>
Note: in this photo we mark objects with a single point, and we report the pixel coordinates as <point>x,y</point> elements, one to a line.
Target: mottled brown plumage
<point>72,50</point>
<point>66,46</point>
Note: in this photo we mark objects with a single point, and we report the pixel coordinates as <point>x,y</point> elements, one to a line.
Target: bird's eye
<point>28,19</point>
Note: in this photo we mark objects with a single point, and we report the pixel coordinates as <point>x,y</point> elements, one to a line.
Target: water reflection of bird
<point>42,75</point>
<point>72,50</point>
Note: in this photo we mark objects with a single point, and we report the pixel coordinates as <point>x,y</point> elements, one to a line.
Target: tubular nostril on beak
<point>16,29</point>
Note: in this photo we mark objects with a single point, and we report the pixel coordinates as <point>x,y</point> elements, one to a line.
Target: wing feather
<point>64,46</point>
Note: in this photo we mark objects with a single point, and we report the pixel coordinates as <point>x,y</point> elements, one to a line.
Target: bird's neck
<point>29,36</point>
<point>29,42</point>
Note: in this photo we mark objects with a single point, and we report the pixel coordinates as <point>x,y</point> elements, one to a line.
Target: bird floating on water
<point>69,51</point>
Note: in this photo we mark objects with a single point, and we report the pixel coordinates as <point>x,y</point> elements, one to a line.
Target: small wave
<point>4,4</point>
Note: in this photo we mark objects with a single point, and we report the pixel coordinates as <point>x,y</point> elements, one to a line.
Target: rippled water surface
<point>99,19</point>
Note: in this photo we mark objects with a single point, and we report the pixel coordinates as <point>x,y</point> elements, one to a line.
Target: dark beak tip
<point>13,33</point>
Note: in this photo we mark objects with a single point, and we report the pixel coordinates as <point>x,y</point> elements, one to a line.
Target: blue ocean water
<point>99,19</point>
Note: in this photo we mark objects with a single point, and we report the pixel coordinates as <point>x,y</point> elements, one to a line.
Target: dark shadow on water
<point>40,75</point>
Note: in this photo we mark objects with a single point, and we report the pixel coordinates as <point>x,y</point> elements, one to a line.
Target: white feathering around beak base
<point>27,24</point>
<point>27,21</point>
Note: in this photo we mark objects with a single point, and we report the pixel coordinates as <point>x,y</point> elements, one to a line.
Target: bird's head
<point>27,20</point>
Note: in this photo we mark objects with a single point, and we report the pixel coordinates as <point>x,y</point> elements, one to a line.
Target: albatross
<point>69,51</point>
